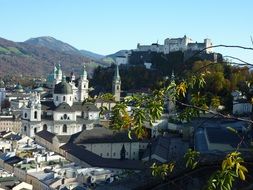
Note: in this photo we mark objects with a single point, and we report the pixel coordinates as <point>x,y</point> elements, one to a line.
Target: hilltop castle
<point>177,44</point>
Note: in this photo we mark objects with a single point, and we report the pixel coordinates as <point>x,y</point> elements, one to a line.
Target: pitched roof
<point>79,106</point>
<point>64,107</point>
<point>102,135</point>
<point>46,135</point>
<point>159,147</point>
<point>13,160</point>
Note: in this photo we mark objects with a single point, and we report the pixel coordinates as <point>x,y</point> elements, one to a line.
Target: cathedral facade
<point>64,113</point>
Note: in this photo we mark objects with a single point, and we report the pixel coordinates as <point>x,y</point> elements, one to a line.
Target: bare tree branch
<point>215,113</point>
<point>238,59</point>
<point>221,45</point>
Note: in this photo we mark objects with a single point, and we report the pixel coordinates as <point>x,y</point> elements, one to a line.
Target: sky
<point>106,26</point>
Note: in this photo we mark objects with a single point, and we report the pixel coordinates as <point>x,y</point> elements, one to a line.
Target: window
<point>25,128</point>
<point>45,127</point>
<point>117,87</point>
<point>25,115</point>
<point>35,130</point>
<point>64,98</point>
<point>56,98</point>
<point>84,86</point>
<point>64,129</point>
<point>114,154</point>
<point>84,127</point>
<point>65,116</point>
<point>35,115</point>
<point>70,98</point>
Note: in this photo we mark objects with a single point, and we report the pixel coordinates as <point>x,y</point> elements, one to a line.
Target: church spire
<point>116,84</point>
<point>172,78</point>
<point>83,73</point>
<point>116,73</point>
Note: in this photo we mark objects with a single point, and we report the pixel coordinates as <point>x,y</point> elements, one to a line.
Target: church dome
<point>63,88</point>
<point>19,88</point>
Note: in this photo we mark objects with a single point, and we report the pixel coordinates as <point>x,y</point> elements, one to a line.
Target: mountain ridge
<point>29,59</point>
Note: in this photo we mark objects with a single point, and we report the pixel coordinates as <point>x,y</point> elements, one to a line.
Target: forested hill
<point>28,59</point>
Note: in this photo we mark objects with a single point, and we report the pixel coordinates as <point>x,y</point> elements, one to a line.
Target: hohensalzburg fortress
<point>177,44</point>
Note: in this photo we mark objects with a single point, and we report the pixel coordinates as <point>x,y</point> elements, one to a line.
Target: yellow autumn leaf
<point>244,169</point>
<point>241,174</point>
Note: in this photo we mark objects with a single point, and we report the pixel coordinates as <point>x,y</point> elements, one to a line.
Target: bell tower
<point>116,84</point>
<point>83,85</point>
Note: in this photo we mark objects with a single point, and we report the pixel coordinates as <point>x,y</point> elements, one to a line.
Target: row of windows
<point>35,115</point>
<point>64,128</point>
<point>114,154</point>
<point>63,98</point>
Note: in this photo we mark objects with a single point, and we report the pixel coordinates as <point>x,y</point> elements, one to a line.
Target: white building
<point>240,104</point>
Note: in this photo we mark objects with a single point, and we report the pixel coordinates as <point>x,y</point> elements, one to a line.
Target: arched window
<point>25,115</point>
<point>35,130</point>
<point>35,115</point>
<point>64,129</point>
<point>64,98</point>
<point>56,98</point>
<point>117,87</point>
<point>45,127</point>
<point>82,114</point>
<point>65,116</point>
<point>84,86</point>
<point>84,127</point>
<point>25,128</point>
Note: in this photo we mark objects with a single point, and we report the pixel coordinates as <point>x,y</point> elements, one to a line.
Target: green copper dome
<point>19,88</point>
<point>63,87</point>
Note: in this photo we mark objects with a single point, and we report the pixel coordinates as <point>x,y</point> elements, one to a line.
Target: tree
<point>208,76</point>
